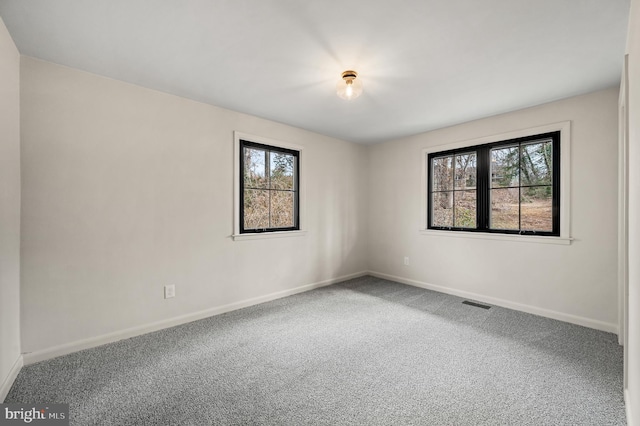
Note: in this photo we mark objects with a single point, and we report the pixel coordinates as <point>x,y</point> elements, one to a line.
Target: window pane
<point>536,209</point>
<point>503,186</point>
<point>282,209</point>
<point>255,175</point>
<point>442,209</point>
<point>442,169</point>
<point>465,209</point>
<point>282,166</point>
<point>504,209</point>
<point>535,165</point>
<point>465,171</point>
<point>256,209</point>
<point>504,167</point>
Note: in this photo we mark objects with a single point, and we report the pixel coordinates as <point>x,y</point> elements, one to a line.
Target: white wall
<point>9,210</point>
<point>633,343</point>
<point>574,282</point>
<point>128,189</point>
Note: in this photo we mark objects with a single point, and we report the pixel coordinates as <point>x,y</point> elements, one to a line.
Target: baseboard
<point>586,322</point>
<point>627,405</point>
<point>67,348</point>
<point>11,377</point>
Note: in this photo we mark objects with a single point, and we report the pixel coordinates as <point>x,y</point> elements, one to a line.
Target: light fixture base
<point>349,75</point>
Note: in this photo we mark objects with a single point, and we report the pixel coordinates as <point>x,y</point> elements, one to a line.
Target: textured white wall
<point>577,281</point>
<point>9,206</point>
<point>128,189</point>
<point>633,344</point>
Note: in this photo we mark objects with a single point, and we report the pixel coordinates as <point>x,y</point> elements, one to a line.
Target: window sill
<point>265,235</point>
<point>499,237</point>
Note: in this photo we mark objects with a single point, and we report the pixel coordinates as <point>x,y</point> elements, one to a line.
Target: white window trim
<point>237,236</point>
<point>565,185</point>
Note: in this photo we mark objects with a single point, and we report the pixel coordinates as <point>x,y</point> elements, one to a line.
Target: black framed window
<point>269,188</point>
<point>510,187</point>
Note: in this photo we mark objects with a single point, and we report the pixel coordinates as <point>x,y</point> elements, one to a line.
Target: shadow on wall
<point>337,232</point>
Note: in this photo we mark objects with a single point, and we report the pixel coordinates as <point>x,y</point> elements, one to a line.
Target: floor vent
<point>477,305</point>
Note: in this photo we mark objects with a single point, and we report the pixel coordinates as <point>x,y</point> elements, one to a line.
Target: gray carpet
<point>363,352</point>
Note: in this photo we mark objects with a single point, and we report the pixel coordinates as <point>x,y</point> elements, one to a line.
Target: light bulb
<point>349,90</point>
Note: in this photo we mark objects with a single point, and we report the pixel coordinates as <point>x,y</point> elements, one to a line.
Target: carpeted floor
<point>363,352</point>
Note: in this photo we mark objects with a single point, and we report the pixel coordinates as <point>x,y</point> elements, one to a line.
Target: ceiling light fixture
<point>349,87</point>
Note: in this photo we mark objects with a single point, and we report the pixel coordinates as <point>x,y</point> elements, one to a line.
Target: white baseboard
<point>67,348</point>
<point>574,319</point>
<point>11,377</point>
<point>627,404</point>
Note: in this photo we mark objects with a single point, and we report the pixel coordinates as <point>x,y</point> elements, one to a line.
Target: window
<point>269,188</point>
<point>507,187</point>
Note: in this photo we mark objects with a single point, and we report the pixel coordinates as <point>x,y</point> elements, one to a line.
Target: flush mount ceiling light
<point>349,87</point>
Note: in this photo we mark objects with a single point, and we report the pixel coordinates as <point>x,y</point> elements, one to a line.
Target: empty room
<point>420,212</point>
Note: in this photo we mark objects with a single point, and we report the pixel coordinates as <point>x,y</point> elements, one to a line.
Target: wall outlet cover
<point>169,291</point>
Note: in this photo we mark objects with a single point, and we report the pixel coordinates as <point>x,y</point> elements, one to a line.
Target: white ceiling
<point>425,64</point>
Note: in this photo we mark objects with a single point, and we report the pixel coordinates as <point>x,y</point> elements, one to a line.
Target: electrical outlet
<point>406,261</point>
<point>169,291</point>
